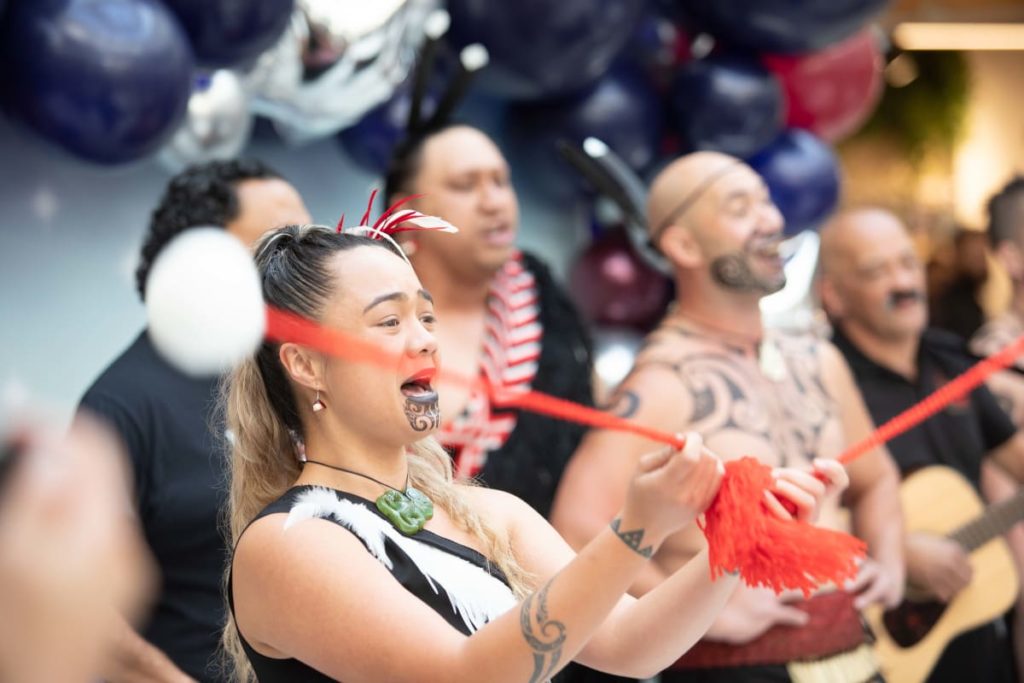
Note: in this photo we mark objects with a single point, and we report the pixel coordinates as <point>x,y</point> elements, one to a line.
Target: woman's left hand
<point>805,490</point>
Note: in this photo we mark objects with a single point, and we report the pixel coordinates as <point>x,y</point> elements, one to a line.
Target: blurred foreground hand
<point>71,555</point>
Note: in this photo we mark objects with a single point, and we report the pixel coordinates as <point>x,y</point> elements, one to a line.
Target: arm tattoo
<point>624,404</point>
<point>544,636</point>
<point>726,392</point>
<point>632,538</point>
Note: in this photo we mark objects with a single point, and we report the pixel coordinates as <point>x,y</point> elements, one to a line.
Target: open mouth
<point>768,248</point>
<point>499,235</point>
<point>768,253</point>
<point>419,388</point>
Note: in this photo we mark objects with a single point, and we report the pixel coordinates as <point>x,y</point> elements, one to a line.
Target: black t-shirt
<point>179,468</point>
<point>959,436</point>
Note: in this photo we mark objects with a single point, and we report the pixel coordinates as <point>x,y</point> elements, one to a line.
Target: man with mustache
<point>872,287</point>
<point>710,366</point>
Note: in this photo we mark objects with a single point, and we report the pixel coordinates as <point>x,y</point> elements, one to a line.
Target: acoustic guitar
<point>911,637</point>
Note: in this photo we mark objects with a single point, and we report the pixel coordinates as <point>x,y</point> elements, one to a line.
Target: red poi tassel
<point>745,536</point>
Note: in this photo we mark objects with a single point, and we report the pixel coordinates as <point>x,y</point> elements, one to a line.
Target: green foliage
<point>926,115</point>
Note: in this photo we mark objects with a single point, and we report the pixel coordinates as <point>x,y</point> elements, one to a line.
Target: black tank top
<point>456,581</point>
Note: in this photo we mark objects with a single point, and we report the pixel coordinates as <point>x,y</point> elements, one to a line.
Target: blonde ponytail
<point>263,467</point>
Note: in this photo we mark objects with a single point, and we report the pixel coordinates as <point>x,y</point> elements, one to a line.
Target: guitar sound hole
<point>910,622</point>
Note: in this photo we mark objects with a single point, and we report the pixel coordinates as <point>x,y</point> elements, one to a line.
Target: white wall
<point>992,148</point>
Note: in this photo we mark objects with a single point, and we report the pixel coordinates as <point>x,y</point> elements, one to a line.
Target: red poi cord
<point>743,536</point>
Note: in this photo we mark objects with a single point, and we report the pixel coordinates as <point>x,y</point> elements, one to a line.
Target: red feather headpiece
<point>393,221</point>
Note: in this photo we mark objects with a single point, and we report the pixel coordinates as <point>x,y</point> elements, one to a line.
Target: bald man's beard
<point>735,272</point>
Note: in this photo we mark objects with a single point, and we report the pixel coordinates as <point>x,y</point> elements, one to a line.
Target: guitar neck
<point>996,520</point>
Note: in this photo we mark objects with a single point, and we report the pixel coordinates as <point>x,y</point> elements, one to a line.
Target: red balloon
<point>832,92</point>
<point>613,286</point>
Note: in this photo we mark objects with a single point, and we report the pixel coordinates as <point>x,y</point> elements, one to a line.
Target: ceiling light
<point>958,36</point>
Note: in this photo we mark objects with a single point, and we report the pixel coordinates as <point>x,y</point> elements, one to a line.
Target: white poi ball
<point>203,302</point>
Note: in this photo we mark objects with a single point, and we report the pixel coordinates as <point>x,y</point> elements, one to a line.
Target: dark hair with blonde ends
<point>294,265</point>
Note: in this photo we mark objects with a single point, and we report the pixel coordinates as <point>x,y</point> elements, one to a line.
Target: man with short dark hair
<point>164,418</point>
<point>503,315</point>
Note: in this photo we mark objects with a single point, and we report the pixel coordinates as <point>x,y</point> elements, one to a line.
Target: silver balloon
<point>794,307</point>
<point>615,349</point>
<point>217,125</point>
<point>277,73</point>
<point>337,60</point>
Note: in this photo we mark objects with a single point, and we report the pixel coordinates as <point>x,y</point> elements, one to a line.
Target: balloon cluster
<point>771,81</point>
<point>780,81</point>
<point>112,81</point>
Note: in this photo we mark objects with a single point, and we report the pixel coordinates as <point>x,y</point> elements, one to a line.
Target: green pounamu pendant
<point>408,511</point>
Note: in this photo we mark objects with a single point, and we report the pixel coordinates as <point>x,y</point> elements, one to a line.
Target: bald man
<point>873,289</point>
<point>711,367</point>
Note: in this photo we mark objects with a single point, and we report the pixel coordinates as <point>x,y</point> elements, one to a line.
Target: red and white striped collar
<point>511,352</point>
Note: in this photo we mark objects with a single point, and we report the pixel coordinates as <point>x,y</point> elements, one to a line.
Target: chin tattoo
<point>423,415</point>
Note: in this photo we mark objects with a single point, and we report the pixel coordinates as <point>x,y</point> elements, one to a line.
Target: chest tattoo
<point>729,394</point>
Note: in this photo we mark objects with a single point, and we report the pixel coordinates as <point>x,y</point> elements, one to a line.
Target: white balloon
<point>204,303</point>
<point>794,306</point>
<point>615,349</point>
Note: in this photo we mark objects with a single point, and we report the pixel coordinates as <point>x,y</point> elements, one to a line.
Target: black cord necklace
<point>407,510</point>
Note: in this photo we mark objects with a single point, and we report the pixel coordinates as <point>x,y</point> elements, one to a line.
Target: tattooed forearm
<point>632,538</point>
<point>544,636</point>
<point>624,404</point>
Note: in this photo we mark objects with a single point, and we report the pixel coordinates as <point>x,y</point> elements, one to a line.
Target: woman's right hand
<point>670,488</point>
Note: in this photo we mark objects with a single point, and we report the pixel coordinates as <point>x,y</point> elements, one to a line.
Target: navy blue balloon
<point>544,48</point>
<point>622,110</point>
<point>370,142</point>
<point>727,103</point>
<point>107,80</point>
<point>230,32</point>
<point>659,45</point>
<point>802,175</point>
<point>785,26</point>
